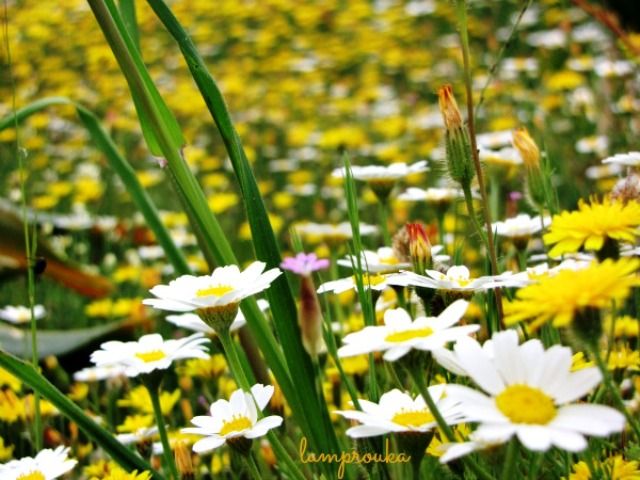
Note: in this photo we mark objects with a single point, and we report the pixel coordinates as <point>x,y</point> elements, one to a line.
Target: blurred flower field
<point>366,239</point>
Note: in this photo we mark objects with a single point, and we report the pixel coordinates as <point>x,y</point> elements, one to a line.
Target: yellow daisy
<point>592,224</point>
<point>557,298</point>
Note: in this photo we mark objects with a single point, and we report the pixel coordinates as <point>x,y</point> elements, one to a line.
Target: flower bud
<point>419,247</point>
<point>457,143</point>
<point>310,317</point>
<point>183,461</point>
<point>527,148</point>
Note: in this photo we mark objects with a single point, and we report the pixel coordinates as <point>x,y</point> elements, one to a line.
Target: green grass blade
<point>128,12</point>
<point>146,123</point>
<point>118,452</point>
<point>24,112</point>
<point>194,199</point>
<point>280,296</point>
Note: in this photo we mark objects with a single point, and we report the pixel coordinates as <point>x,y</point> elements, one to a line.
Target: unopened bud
<point>310,318</point>
<point>419,247</point>
<point>449,108</point>
<point>183,461</point>
<point>457,143</point>
<point>527,148</point>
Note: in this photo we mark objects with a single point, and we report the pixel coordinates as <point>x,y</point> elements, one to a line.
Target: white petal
<point>570,441</point>
<point>577,385</point>
<point>207,444</point>
<point>263,426</point>
<point>478,366</point>
<point>589,419</point>
<point>535,437</point>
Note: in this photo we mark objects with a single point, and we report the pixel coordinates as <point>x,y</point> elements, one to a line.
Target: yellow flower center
<point>524,404</point>
<point>413,419</point>
<point>404,335</point>
<point>236,424</point>
<point>218,291</point>
<point>369,279</point>
<point>152,356</point>
<point>35,475</point>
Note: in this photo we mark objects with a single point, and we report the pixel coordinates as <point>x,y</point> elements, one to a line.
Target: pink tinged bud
<point>310,318</point>
<point>419,246</point>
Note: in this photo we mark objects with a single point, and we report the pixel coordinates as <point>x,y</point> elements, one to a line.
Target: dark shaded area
<point>628,12</point>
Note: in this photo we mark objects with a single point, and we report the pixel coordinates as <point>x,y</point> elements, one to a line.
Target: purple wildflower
<point>304,263</point>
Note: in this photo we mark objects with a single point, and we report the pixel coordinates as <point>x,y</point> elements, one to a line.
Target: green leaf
<point>17,341</point>
<point>282,303</point>
<point>146,123</point>
<point>118,452</point>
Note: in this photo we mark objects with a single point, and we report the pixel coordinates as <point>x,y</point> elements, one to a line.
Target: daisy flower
<point>383,260</point>
<point>151,352</point>
<point>592,224</point>
<point>399,412</point>
<point>235,419</point>
<point>529,394</point>
<point>19,315</point>
<point>521,228</point>
<point>431,195</point>
<point>400,334</point>
<point>193,322</point>
<point>559,297</point>
<point>456,279</point>
<point>383,173</point>
<point>331,233</point>
<point>47,465</point>
<point>629,159</point>
<point>373,281</point>
<point>225,286</point>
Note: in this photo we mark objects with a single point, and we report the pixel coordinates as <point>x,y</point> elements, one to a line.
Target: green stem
<point>383,209</point>
<point>443,426</point>
<point>154,393</point>
<point>254,471</point>
<point>510,460</point>
<point>615,393</point>
<point>461,11</point>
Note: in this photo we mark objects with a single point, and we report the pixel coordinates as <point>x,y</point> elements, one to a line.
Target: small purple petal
<point>304,264</point>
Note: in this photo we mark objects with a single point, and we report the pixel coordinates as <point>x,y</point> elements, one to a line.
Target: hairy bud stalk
<point>458,146</point>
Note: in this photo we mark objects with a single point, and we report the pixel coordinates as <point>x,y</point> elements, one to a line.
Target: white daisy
<point>457,279</point>
<point>331,232</point>
<point>151,352</point>
<point>400,334</point>
<point>520,226</point>
<point>233,419</point>
<point>19,315</point>
<point>225,286</point>
<point>47,465</point>
<point>191,321</point>
<point>373,281</point>
<point>140,435</point>
<point>431,195</point>
<point>629,159</point>
<point>380,173</point>
<point>95,374</point>
<point>399,412</point>
<point>382,260</point>
<point>529,393</point>
<point>596,172</point>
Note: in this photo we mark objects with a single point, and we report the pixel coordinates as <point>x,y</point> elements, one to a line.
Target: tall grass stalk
<point>30,240</point>
<point>461,13</point>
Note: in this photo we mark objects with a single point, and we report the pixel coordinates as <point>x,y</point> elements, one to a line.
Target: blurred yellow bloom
<point>138,399</point>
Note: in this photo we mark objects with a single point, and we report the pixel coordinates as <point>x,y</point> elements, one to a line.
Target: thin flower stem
<point>252,466</point>
<point>442,424</point>
<point>461,11</point>
<point>615,393</point>
<point>154,393</point>
<point>383,208</point>
<point>510,460</point>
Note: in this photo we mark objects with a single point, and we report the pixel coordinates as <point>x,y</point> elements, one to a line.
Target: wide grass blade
<point>118,452</point>
<point>194,200</point>
<point>264,241</point>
